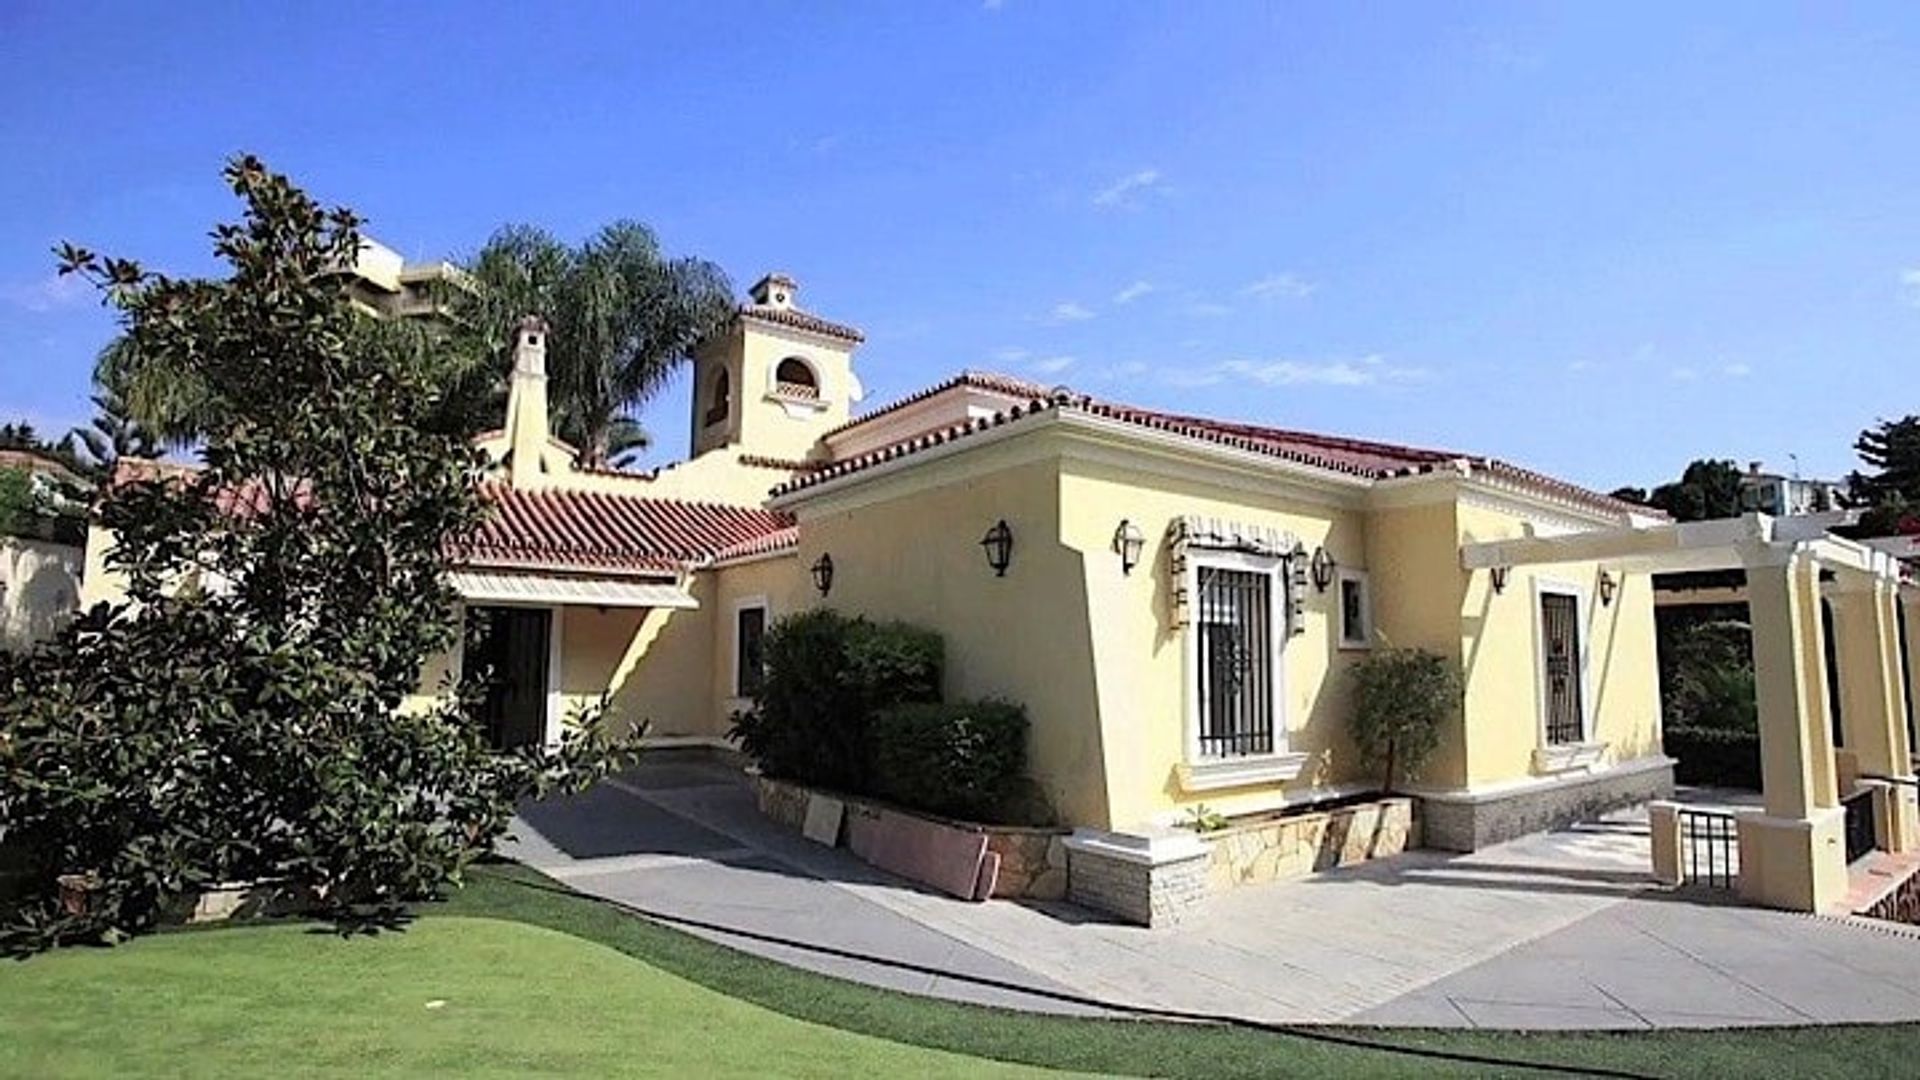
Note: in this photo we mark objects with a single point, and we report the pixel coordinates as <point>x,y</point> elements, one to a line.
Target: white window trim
<point>1365,640</point>
<point>1550,757</point>
<point>798,408</point>
<point>745,603</point>
<point>1197,773</point>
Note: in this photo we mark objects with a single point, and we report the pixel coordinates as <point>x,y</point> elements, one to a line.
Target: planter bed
<point>1016,862</point>
<point>1299,841</point>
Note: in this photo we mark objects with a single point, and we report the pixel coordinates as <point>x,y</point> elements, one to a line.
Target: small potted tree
<point>1400,699</point>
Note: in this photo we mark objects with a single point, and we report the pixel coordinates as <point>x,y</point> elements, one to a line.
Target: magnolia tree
<point>239,717</point>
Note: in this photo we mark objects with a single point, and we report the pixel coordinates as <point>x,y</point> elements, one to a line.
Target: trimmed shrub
<point>827,674</point>
<point>1717,757</point>
<point>1400,699</point>
<point>962,759</point>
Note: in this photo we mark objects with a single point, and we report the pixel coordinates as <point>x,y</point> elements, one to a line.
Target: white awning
<point>504,588</point>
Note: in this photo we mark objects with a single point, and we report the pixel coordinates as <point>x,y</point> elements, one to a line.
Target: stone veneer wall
<point>1468,823</point>
<point>1033,861</point>
<point>1145,893</point>
<point>1291,847</point>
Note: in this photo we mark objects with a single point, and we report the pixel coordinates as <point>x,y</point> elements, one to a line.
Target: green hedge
<point>962,759</point>
<point>827,675</point>
<point>1717,757</point>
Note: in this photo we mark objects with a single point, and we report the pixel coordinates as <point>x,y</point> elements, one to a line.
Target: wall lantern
<point>1323,568</point>
<point>823,573</point>
<point>999,547</point>
<point>1128,541</point>
<point>1608,586</point>
<point>1500,578</point>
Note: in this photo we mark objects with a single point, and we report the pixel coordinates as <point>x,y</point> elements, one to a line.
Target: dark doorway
<point>510,644</point>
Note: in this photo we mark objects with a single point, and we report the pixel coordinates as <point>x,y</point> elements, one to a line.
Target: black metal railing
<point>1236,654</point>
<point>1861,835</point>
<point>1709,848</point>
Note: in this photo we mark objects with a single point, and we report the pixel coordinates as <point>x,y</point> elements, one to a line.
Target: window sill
<point>1240,772</point>
<point>797,407</point>
<point>1568,757</point>
<point>1355,646</point>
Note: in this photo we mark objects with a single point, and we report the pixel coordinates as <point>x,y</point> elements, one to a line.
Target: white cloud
<point>1053,365</point>
<point>1683,373</point>
<point>1736,371</point>
<point>1069,312</point>
<point>1010,354</point>
<point>48,294</point>
<point>1578,366</point>
<point>1282,286</point>
<point>1127,190</point>
<point>1133,292</point>
<point>993,5</point>
<point>1910,285</point>
<point>1366,371</point>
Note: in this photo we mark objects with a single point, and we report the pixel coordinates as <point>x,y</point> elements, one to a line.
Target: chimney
<point>776,290</point>
<point>527,429</point>
<point>1753,468</point>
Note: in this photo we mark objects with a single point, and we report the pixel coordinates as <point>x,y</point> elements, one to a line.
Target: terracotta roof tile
<point>982,380</point>
<point>594,531</point>
<point>1357,457</point>
<point>781,540</point>
<point>800,320</point>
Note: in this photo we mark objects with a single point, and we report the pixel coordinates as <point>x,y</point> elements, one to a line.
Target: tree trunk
<point>1391,746</point>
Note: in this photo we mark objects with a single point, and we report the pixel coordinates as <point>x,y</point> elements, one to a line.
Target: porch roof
<point>482,586</point>
<point>604,535</point>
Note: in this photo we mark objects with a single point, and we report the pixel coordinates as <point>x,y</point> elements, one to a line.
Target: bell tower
<point>775,379</point>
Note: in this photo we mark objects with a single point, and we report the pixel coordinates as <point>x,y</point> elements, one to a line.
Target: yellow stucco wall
<point>781,584</point>
<point>1139,654</point>
<point>1419,593</point>
<point>915,555</point>
<point>1500,648</point>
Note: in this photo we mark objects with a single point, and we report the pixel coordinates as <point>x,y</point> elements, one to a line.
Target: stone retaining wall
<point>1033,861</point>
<point>1291,847</point>
<point>1469,823</point>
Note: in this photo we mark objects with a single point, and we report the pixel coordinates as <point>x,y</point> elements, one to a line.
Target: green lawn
<point>450,996</point>
<point>528,977</point>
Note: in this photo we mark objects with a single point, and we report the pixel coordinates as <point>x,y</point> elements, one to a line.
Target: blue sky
<point>1596,239</point>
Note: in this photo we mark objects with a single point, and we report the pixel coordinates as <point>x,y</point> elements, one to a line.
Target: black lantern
<point>1128,541</point>
<point>1608,586</point>
<point>999,547</point>
<point>1323,568</point>
<point>1499,574</point>
<point>823,573</point>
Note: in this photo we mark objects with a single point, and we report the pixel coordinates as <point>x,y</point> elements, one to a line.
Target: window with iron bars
<point>1235,652</point>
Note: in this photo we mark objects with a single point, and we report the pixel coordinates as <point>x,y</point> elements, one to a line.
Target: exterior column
<point>1793,855</point>
<point>1909,599</point>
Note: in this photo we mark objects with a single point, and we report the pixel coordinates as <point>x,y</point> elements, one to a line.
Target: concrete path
<point>1558,930</point>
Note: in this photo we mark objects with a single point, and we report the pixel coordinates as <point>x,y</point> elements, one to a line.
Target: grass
<point>450,996</point>
<point>533,978</point>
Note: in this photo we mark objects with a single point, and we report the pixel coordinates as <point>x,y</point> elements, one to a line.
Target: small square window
<point>1356,611</point>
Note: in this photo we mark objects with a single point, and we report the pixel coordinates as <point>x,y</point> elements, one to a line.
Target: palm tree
<point>622,317</point>
<point>111,435</point>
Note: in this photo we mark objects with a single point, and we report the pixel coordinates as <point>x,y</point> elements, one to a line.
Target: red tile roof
<point>593,531</point>
<point>980,380</point>
<point>782,540</point>
<point>800,320</point>
<point>1357,457</point>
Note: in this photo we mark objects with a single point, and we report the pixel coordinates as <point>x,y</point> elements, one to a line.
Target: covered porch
<point>1834,789</point>
<point>553,641</point>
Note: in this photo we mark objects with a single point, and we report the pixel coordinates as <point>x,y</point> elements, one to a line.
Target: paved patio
<point>1552,931</point>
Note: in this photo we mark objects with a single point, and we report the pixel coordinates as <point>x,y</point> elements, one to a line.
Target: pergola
<point>1792,854</point>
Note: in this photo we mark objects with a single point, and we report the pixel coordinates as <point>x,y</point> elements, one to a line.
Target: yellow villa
<point>1174,599</point>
